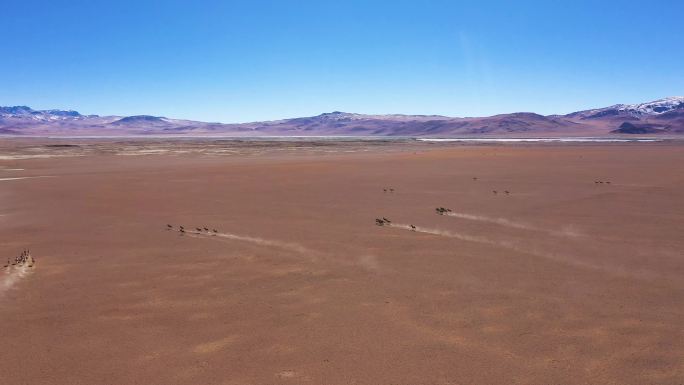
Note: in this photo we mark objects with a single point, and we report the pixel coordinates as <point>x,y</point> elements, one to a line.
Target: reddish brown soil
<point>562,281</point>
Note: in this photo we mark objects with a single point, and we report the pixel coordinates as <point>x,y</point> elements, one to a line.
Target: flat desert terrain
<point>571,273</point>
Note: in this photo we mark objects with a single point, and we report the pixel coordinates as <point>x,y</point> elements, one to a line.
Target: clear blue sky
<point>235,61</point>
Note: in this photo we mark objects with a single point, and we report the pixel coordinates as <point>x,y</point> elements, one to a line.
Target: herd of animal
<point>495,192</point>
<point>384,221</point>
<point>439,210</point>
<point>198,230</point>
<point>25,258</point>
<point>443,211</point>
<point>378,221</point>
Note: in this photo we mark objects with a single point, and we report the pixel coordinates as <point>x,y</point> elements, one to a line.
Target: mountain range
<point>659,117</point>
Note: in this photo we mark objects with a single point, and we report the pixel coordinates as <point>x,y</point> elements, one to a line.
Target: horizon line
<point>332,112</point>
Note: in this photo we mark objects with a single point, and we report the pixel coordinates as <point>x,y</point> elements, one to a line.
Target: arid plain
<point>571,273</point>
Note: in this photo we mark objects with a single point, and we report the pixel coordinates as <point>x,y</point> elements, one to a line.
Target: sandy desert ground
<point>561,281</point>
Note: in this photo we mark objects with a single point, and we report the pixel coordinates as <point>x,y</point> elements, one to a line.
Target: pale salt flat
<point>541,140</point>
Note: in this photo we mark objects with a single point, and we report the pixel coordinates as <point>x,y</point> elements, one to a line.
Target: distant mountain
<point>16,111</point>
<point>663,116</point>
<point>659,117</point>
<point>635,111</point>
<point>142,121</point>
<point>27,112</point>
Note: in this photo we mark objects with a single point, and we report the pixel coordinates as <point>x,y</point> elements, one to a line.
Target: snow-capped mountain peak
<point>655,107</point>
<point>23,112</point>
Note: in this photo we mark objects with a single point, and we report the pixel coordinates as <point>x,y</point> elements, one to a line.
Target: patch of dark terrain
<point>636,128</point>
<point>62,145</point>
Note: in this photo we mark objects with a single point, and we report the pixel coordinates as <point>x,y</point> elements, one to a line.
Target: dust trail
<point>443,233</point>
<point>498,221</point>
<point>568,232</point>
<point>12,275</point>
<point>259,241</point>
<point>367,262</point>
<point>27,177</point>
<point>266,242</point>
<point>534,251</point>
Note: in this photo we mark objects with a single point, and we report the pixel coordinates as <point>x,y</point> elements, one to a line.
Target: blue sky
<point>235,61</point>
